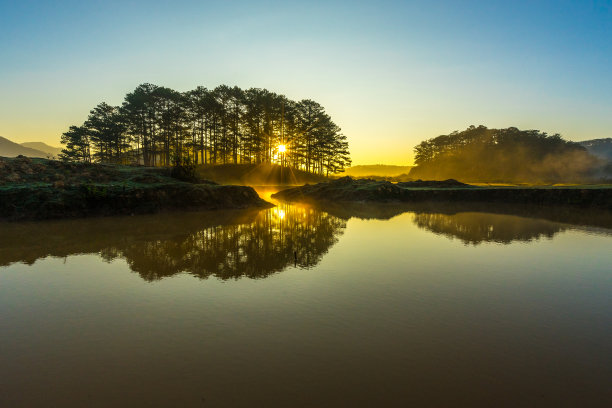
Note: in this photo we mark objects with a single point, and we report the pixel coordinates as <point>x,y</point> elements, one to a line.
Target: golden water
<point>299,306</point>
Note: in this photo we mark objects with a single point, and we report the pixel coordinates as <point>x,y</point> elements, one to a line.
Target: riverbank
<point>347,189</point>
<point>44,189</point>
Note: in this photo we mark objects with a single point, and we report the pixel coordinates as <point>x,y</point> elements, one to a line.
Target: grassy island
<point>41,189</point>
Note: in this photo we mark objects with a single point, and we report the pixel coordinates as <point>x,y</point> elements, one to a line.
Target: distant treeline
<point>157,126</point>
<point>505,155</point>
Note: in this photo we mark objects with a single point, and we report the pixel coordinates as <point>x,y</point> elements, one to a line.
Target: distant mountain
<point>384,170</point>
<point>12,149</point>
<point>43,147</point>
<point>599,147</point>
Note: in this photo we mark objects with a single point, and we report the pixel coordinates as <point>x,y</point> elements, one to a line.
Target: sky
<point>389,73</point>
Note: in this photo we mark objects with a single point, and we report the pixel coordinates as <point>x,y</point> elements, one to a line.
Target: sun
<point>282,148</point>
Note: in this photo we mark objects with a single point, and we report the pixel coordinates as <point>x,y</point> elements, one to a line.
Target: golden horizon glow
<point>414,76</point>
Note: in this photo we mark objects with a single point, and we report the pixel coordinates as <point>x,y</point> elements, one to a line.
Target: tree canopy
<point>157,126</point>
<point>502,155</point>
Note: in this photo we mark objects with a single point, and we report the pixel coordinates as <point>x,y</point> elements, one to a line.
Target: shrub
<point>184,169</point>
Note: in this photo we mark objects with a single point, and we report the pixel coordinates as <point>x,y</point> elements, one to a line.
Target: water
<point>298,306</point>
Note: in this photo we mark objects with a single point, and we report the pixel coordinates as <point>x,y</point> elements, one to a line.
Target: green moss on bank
<point>40,189</point>
<point>347,189</point>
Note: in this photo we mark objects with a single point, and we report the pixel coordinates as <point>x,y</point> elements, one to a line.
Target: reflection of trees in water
<point>277,238</point>
<point>227,244</point>
<point>475,222</point>
<point>257,243</point>
<point>474,228</point>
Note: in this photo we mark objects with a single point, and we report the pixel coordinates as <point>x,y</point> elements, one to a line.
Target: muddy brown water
<point>297,306</point>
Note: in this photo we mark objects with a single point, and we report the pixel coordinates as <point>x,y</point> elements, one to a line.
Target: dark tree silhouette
<point>77,144</point>
<point>223,125</point>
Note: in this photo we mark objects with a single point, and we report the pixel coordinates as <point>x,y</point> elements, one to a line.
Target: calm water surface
<point>299,306</point>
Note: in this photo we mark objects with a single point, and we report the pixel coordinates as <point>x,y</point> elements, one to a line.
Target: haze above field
<point>391,74</point>
<point>383,170</point>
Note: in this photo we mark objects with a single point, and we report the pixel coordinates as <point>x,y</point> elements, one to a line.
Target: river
<point>301,306</point>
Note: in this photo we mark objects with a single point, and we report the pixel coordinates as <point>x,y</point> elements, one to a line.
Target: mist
<point>383,170</point>
<point>507,156</point>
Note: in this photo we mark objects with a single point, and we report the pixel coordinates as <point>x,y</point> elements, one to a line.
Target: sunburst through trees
<point>156,125</point>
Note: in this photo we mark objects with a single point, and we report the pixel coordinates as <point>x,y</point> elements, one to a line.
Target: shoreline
<point>350,190</point>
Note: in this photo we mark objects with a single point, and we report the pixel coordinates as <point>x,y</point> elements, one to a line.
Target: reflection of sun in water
<point>280,213</point>
<point>282,148</point>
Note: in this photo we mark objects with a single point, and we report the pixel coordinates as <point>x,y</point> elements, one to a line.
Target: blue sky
<point>390,73</point>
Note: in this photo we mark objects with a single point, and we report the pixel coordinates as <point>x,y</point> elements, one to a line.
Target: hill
<point>43,147</point>
<point>39,189</point>
<point>12,149</point>
<point>479,154</point>
<point>599,147</point>
<point>382,170</point>
<point>256,174</point>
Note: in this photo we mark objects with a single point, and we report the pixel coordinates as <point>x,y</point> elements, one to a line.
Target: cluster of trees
<point>503,155</point>
<point>157,126</point>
